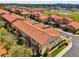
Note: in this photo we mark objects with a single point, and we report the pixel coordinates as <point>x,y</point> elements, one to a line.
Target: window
<point>52,41</point>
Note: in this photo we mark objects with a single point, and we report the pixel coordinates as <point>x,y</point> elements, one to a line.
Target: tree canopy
<point>10,42</point>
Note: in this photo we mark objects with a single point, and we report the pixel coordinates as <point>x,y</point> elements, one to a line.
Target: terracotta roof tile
<point>24,13</point>
<point>37,13</point>
<point>2,50</point>
<point>68,18</point>
<point>40,25</point>
<point>43,18</point>
<point>56,18</point>
<point>2,11</point>
<point>28,21</point>
<point>32,31</point>
<point>74,24</point>
<point>52,31</point>
<point>17,16</point>
<point>43,27</point>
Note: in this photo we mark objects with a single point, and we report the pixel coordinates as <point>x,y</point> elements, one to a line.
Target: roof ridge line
<point>39,29</point>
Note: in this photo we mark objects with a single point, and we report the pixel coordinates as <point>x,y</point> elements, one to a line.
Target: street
<point>74,51</point>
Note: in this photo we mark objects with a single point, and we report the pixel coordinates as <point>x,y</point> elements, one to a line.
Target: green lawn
<point>73,15</point>
<point>47,13</point>
<point>50,13</point>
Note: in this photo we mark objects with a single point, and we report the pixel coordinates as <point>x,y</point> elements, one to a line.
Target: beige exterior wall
<point>45,46</point>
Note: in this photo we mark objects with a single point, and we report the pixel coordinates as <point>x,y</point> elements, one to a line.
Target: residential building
<point>42,18</point>
<point>56,19</point>
<point>67,20</point>
<point>36,37</point>
<point>35,15</point>
<point>73,26</point>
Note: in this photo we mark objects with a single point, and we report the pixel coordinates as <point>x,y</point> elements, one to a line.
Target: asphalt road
<point>74,51</point>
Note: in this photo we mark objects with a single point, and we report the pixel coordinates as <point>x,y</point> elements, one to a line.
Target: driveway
<point>74,51</point>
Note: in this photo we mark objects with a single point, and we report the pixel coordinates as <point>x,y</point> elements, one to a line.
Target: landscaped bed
<point>58,49</point>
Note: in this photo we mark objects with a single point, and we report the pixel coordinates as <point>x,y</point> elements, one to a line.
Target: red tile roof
<point>33,31</point>
<point>2,11</point>
<point>37,13</point>
<point>52,31</point>
<point>17,16</point>
<point>42,18</point>
<point>43,27</point>
<point>2,50</point>
<point>74,24</point>
<point>39,35</point>
<point>68,18</point>
<point>55,17</point>
<point>28,21</point>
<point>1,6</point>
<point>24,13</point>
<point>40,25</point>
<point>9,17</point>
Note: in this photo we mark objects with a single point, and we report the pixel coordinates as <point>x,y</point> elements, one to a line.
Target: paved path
<point>74,51</point>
